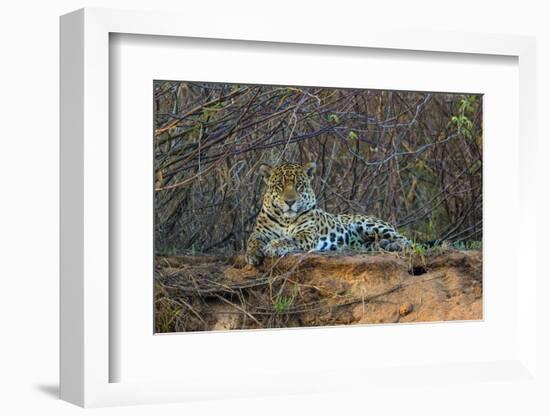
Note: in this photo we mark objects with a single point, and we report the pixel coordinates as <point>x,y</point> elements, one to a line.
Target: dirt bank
<point>195,293</point>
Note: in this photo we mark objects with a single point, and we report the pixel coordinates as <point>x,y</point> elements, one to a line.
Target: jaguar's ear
<point>265,171</point>
<point>309,169</point>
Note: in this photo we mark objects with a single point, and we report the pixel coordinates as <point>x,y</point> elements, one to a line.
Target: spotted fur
<point>290,222</point>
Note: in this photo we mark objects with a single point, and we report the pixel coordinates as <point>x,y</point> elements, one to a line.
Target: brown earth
<point>195,293</point>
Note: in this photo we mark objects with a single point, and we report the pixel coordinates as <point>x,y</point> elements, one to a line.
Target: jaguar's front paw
<point>278,248</point>
<point>254,258</point>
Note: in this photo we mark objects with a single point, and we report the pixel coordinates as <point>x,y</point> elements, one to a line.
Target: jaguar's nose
<point>290,201</point>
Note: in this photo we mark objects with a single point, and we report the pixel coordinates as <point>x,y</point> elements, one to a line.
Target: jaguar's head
<point>288,191</point>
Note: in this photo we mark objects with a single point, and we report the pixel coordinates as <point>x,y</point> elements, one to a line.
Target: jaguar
<point>289,220</point>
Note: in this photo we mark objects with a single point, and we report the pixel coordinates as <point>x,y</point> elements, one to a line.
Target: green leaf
<point>352,135</point>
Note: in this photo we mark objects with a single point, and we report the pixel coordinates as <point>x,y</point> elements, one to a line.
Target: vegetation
<point>412,158</point>
<point>212,292</point>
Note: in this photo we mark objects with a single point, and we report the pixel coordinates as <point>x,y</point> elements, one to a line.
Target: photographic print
<point>292,206</point>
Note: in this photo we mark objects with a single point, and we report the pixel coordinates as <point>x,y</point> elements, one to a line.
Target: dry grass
<point>198,293</point>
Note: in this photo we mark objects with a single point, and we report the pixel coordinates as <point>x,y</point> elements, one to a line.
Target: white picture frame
<point>86,356</point>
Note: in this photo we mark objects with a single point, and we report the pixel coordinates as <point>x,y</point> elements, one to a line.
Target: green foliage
<point>165,316</point>
<point>462,120</point>
<point>352,135</point>
<point>419,249</point>
<point>283,303</point>
<point>168,250</point>
<point>208,111</point>
<point>467,245</point>
<point>333,118</point>
<point>423,250</point>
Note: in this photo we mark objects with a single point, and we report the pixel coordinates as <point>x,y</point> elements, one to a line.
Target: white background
<point>135,63</point>
<point>29,205</point>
